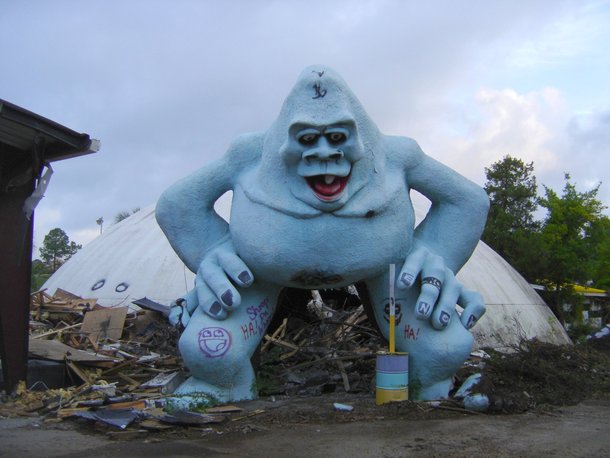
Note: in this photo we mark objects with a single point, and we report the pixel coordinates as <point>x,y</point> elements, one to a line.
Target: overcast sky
<point>166,85</point>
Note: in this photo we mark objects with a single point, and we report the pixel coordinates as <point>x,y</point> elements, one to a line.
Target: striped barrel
<point>392,378</point>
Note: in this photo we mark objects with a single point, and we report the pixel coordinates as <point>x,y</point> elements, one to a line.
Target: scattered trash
<point>166,382</point>
<point>343,407</point>
<point>603,332</point>
<point>470,382</point>
<point>477,402</point>
<point>480,354</point>
<point>120,368</point>
<point>182,417</point>
<point>119,418</point>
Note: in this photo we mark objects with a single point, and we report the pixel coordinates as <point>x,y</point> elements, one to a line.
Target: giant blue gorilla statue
<point>321,200</point>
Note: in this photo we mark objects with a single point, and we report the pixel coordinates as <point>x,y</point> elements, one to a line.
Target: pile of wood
<point>330,346</point>
<point>96,356</point>
<point>119,365</point>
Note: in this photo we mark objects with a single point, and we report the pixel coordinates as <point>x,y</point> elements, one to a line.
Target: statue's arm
<point>185,211</point>
<point>445,239</point>
<point>201,238</point>
<point>456,219</point>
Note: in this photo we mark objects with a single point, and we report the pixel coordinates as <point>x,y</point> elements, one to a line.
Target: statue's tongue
<point>327,185</point>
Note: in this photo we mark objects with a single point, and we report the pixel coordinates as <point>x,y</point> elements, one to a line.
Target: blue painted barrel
<point>392,378</point>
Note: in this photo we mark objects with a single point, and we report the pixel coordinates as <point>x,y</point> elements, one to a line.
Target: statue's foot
<point>439,390</point>
<point>242,387</point>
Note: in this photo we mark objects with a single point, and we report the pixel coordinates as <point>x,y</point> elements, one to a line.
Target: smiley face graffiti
<point>214,342</point>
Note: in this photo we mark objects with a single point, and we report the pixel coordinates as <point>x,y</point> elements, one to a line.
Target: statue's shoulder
<point>245,150</point>
<point>402,151</point>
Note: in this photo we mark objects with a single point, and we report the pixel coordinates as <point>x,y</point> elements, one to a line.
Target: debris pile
<point>323,347</point>
<point>119,367</point>
<point>536,375</point>
<point>85,357</point>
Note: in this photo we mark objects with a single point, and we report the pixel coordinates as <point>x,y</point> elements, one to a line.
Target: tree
<point>120,216</point>
<point>600,240</point>
<point>511,229</point>
<point>575,236</point>
<point>57,248</point>
<point>40,274</point>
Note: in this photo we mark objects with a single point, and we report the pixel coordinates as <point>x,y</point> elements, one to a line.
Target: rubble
<point>121,367</point>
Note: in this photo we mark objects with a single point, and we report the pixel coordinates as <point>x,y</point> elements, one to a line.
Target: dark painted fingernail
<point>472,320</point>
<point>444,319</point>
<point>244,277</point>
<point>423,309</point>
<point>215,308</point>
<point>407,279</point>
<point>227,297</point>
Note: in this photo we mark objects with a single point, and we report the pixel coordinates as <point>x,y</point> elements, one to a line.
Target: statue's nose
<point>322,154</point>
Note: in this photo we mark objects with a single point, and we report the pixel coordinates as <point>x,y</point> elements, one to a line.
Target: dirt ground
<point>545,401</point>
<point>310,427</point>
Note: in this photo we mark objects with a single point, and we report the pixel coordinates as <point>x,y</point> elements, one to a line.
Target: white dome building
<point>133,259</point>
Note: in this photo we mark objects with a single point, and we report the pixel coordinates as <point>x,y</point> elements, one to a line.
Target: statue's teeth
<point>328,179</point>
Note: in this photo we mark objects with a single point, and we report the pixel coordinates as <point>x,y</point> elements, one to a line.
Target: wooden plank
<point>138,405</point>
<point>64,413</point>
<point>105,323</point>
<point>57,351</point>
<point>55,331</point>
<point>65,295</point>
<point>166,382</point>
<point>79,372</point>
<point>224,409</point>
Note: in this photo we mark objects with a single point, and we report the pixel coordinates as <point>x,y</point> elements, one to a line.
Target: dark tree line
<point>570,245</point>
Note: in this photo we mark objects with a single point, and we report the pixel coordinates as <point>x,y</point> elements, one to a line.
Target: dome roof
<point>133,259</point>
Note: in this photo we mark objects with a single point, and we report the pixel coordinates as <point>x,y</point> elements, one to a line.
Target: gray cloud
<point>167,85</point>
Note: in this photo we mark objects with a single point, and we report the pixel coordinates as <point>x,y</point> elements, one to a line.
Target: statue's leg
<point>434,355</point>
<point>217,352</point>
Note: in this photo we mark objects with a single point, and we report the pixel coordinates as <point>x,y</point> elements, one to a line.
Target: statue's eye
<point>308,139</point>
<point>336,138</point>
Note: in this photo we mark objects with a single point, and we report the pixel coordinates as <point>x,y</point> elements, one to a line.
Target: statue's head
<point>324,141</point>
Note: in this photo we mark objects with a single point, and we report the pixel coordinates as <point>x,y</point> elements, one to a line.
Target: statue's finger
<point>474,307</point>
<point>445,307</point>
<point>216,278</point>
<point>411,268</point>
<point>235,268</point>
<point>432,277</point>
<point>191,300</point>
<point>175,314</point>
<point>208,300</point>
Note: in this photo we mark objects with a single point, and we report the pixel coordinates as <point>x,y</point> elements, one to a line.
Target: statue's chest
<point>323,251</point>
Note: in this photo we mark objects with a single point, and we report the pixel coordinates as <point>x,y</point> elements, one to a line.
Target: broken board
<point>104,323</point>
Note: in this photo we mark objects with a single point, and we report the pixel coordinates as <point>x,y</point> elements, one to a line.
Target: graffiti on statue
<point>214,342</point>
<point>321,199</point>
<point>258,319</point>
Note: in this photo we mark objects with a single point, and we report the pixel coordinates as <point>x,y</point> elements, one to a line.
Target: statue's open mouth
<point>327,187</point>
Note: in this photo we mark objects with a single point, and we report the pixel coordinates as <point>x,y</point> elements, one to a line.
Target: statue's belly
<point>321,252</point>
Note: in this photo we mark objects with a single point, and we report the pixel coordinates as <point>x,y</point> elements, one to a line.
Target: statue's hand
<point>218,272</point>
<point>440,290</point>
<point>181,309</point>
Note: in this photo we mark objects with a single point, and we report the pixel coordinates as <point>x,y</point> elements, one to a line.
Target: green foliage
<point>512,191</point>
<point>268,380</point>
<point>570,246</point>
<point>57,249</point>
<point>40,274</point>
<point>193,402</point>
<point>511,229</point>
<point>600,241</point>
<point>574,236</point>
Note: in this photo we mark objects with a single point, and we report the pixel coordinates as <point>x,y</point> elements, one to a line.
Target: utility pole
<point>100,223</point>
